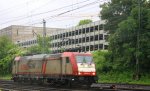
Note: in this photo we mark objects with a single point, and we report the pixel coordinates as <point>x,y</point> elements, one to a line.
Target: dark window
<point>87,48</point>
<point>83,39</point>
<point>100,46</point>
<point>96,37</point>
<point>100,36</point>
<point>91,29</point>
<point>80,31</point>
<point>63,34</point>
<point>73,41</point>
<point>96,28</point>
<point>87,30</point>
<point>73,32</point>
<point>83,30</point>
<point>70,42</point>
<point>66,42</point>
<point>60,35</point>
<point>55,36</point>
<point>95,47</point>
<point>76,32</point>
<point>87,39</point>
<point>80,40</point>
<point>76,41</point>
<point>105,46</point>
<point>69,33</point>
<point>83,48</point>
<point>91,38</point>
<point>91,47</point>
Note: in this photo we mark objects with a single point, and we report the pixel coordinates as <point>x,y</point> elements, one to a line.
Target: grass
<point>123,77</point>
<point>5,77</point>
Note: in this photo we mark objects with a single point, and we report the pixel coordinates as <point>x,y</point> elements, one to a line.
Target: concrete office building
<point>85,38</point>
<point>25,36</point>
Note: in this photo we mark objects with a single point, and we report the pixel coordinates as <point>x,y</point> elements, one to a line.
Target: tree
<point>124,29</point>
<point>39,48</point>
<point>114,12</point>
<point>85,21</point>
<point>8,50</point>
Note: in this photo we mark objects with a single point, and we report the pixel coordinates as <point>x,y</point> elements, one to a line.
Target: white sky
<point>32,12</point>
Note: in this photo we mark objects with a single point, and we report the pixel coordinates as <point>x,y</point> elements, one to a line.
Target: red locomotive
<point>64,68</point>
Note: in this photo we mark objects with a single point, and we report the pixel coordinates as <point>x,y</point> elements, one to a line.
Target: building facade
<point>83,38</point>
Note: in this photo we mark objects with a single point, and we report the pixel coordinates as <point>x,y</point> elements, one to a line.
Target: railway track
<point>8,85</point>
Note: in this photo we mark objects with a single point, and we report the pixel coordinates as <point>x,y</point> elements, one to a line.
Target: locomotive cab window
<point>84,59</point>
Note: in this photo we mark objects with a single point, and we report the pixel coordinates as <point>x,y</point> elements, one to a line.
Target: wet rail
<point>117,86</point>
<point>8,85</point>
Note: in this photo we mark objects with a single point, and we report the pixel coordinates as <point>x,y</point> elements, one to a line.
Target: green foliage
<point>123,77</point>
<point>85,21</point>
<point>122,22</point>
<point>42,47</point>
<point>8,51</point>
<point>102,65</point>
<point>114,12</point>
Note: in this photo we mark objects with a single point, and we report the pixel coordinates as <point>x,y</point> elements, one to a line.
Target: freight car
<point>63,68</point>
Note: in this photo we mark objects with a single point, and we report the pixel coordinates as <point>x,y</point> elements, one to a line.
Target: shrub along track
<point>8,85</point>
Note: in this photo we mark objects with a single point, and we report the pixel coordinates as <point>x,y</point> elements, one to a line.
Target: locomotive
<point>63,68</point>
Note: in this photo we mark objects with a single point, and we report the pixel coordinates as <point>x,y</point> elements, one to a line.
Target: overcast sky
<point>57,13</point>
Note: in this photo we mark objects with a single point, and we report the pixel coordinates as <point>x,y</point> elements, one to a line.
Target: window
<point>87,48</point>
<point>105,47</point>
<point>95,47</point>
<point>100,46</point>
<point>80,31</point>
<point>91,29</point>
<point>69,33</point>
<point>76,41</point>
<point>91,47</point>
<point>80,40</point>
<point>96,28</point>
<point>100,36</point>
<point>55,36</point>
<point>67,59</point>
<point>83,39</point>
<point>73,32</point>
<point>91,38</point>
<point>96,37</point>
<point>84,59</point>
<point>87,30</point>
<point>87,39</point>
<point>76,32</point>
<point>63,34</point>
<point>83,30</point>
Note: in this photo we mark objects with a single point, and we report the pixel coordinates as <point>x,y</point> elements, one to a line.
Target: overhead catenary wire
<point>55,15</point>
<point>68,11</point>
<point>37,14</point>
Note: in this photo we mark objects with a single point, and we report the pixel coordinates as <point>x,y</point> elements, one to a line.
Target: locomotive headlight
<point>93,73</point>
<point>79,73</point>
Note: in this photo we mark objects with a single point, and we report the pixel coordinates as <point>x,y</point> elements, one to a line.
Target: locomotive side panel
<point>22,66</point>
<point>28,65</point>
<point>35,66</point>
<point>53,67</point>
<point>66,66</point>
